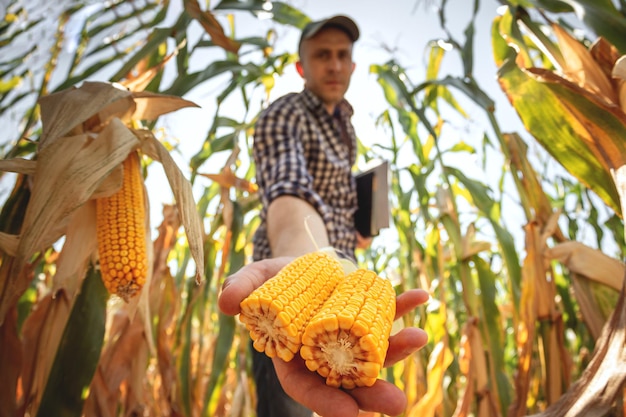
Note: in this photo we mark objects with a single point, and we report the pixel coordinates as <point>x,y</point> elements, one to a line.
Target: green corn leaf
<point>554,6</point>
<point>396,92</point>
<point>467,51</point>
<point>184,84</point>
<point>185,348</point>
<point>485,203</point>
<point>79,351</point>
<point>493,331</point>
<point>128,19</point>
<point>563,121</point>
<point>505,27</point>
<point>22,30</point>
<point>280,12</point>
<point>420,177</point>
<point>225,337</point>
<point>470,89</point>
<point>227,324</point>
<point>157,38</point>
<point>237,258</point>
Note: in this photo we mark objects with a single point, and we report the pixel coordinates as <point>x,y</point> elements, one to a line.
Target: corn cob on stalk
<point>275,313</point>
<point>121,234</point>
<point>346,341</point>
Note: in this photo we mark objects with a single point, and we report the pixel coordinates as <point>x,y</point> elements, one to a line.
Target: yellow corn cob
<point>121,234</point>
<point>347,341</point>
<point>275,313</point>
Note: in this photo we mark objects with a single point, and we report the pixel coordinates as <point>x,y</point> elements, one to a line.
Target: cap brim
<point>342,22</point>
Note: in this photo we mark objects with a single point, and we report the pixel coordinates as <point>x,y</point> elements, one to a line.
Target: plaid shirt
<point>299,151</point>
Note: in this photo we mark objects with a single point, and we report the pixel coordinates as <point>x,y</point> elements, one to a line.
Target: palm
<point>309,388</point>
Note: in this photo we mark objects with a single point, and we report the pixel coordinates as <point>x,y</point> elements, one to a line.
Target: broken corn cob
<point>120,231</point>
<point>275,313</point>
<point>346,341</point>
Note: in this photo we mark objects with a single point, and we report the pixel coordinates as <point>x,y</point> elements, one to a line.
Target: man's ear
<point>299,68</point>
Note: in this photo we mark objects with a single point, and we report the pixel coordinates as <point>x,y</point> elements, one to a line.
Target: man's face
<point>326,65</point>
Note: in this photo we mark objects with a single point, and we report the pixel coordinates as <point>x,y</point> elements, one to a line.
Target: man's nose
<point>335,64</point>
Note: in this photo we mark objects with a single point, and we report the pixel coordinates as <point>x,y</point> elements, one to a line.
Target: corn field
<point>527,313</point>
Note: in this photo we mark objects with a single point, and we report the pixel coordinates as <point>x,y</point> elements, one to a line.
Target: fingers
<point>410,299</point>
<point>404,343</point>
<point>382,397</point>
<point>310,390</point>
<point>362,242</point>
<point>239,285</point>
<point>411,339</point>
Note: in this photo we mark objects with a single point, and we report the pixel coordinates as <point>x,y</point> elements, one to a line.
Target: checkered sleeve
<point>280,158</point>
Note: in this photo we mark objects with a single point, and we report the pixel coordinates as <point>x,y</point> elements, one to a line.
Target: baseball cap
<point>341,22</point>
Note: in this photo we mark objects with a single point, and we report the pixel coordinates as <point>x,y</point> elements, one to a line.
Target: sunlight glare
<point>267,11</point>
<point>446,46</point>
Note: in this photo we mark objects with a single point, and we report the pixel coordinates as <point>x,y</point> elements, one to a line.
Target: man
<point>304,150</point>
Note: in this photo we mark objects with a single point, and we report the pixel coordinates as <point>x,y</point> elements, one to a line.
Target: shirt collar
<point>314,103</point>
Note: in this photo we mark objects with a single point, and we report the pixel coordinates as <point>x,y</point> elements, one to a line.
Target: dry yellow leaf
<point>9,243</point>
<point>589,262</point>
<point>211,26</point>
<point>183,194</point>
<point>110,184</point>
<point>619,73</point>
<point>619,69</point>
<point>18,165</point>
<point>471,246</point>
<point>124,355</point>
<point>145,75</point>
<point>149,106</point>
<point>63,113</point>
<point>228,179</point>
<point>440,359</point>
<point>41,331</point>
<point>78,249</point>
<point>579,66</point>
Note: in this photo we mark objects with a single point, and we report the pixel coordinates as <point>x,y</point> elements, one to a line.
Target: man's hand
<point>310,389</point>
<point>363,242</point>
